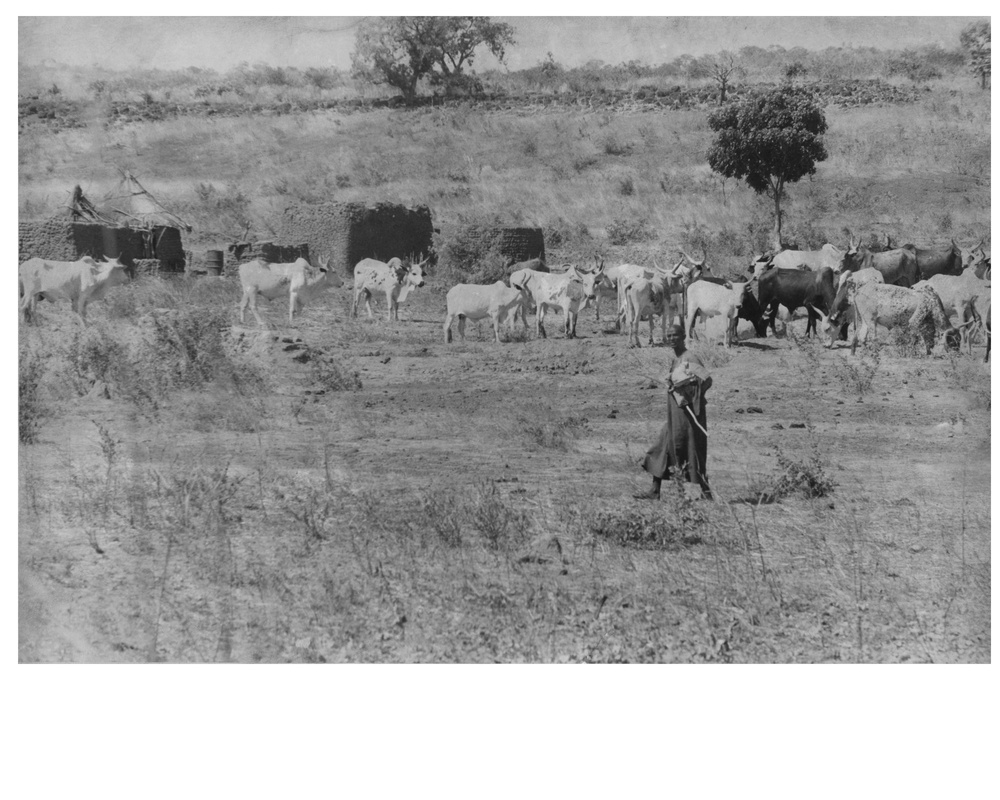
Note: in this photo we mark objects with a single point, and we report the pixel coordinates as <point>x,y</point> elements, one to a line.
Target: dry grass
<point>473,163</point>
<point>400,499</point>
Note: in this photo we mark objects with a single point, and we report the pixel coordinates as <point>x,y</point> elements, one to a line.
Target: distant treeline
<point>265,82</point>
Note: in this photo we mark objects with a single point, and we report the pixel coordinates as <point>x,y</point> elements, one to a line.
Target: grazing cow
<point>536,264</point>
<point>958,294</point>
<point>945,261</point>
<point>898,267</point>
<point>977,260</point>
<point>794,289</point>
<point>975,254</point>
<point>841,311</point>
<point>475,302</point>
<point>827,256</point>
<point>567,291</point>
<point>610,289</point>
<point>710,299</point>
<point>981,308</point>
<point>892,306</point>
<point>81,282</point>
<point>750,309</point>
<point>297,279</point>
<point>644,298</point>
<point>396,279</point>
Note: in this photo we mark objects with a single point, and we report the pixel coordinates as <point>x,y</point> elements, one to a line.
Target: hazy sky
<point>223,42</point>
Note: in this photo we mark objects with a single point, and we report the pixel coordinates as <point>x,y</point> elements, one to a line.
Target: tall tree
<point>399,51</point>
<point>975,38</point>
<point>769,138</point>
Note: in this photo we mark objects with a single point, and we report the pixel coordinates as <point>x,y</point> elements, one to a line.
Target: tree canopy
<point>975,38</point>
<point>769,138</point>
<point>400,51</point>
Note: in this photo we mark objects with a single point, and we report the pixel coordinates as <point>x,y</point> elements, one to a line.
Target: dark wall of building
<point>346,233</point>
<point>61,240</point>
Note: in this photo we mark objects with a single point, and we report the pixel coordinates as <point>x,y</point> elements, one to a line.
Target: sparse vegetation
<point>391,499</point>
<point>30,410</point>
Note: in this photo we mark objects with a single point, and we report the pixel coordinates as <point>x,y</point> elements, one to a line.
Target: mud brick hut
<point>348,232</point>
<point>131,226</point>
<point>272,252</point>
<point>515,244</point>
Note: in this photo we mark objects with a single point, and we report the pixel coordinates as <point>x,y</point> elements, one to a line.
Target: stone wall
<point>346,233</point>
<point>516,244</point>
<point>62,240</point>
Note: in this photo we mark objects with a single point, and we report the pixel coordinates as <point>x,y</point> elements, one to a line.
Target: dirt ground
<point>319,545</point>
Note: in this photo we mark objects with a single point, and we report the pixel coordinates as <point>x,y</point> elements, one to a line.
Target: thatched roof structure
<point>129,205</point>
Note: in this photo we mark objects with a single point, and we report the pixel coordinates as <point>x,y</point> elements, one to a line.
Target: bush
<point>492,515</point>
<point>444,513</point>
<point>807,478</point>
<point>653,526</point>
<point>332,377</point>
<point>611,146</point>
<point>858,373</point>
<point>624,230</point>
<point>29,408</point>
<point>473,254</point>
<point>558,434</point>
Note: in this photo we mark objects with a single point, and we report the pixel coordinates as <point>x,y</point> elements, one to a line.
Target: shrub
<point>612,146</point>
<point>807,478</point>
<point>626,186</point>
<point>29,408</point>
<point>654,526</point>
<point>858,373</point>
<point>493,516</point>
<point>557,434</point>
<point>443,511</point>
<point>624,230</point>
<point>473,254</point>
<point>333,377</point>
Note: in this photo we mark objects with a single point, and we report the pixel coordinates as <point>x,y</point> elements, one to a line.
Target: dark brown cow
<point>946,261</point>
<point>794,289</point>
<point>898,267</point>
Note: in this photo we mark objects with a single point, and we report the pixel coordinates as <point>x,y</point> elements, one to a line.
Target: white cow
<point>893,306</point>
<point>827,256</point>
<point>645,298</point>
<point>981,309</point>
<point>567,291</point>
<point>80,282</point>
<point>296,279</point>
<point>673,281</point>
<point>475,302</point>
<point>958,294</point>
<point>396,279</point>
<point>710,300</point>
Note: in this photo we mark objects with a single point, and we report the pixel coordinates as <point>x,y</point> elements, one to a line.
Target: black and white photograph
<point>504,340</point>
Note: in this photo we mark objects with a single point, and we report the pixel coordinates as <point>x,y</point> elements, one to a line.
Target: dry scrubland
<point>353,490</point>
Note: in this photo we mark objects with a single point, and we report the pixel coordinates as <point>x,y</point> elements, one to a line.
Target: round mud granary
<point>350,232</point>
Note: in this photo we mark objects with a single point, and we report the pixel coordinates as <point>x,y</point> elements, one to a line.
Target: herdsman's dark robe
<point>681,447</point>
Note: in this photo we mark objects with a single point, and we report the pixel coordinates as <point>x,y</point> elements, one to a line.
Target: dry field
<point>343,490</point>
<point>468,502</point>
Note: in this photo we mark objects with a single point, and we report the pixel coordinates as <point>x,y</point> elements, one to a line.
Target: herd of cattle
<point>939,293</point>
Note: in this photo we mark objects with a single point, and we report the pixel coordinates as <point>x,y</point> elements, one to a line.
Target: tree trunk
<point>722,92</point>
<point>777,221</point>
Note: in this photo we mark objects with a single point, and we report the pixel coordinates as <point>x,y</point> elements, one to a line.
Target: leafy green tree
<point>400,51</point>
<point>975,38</point>
<point>768,138</point>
